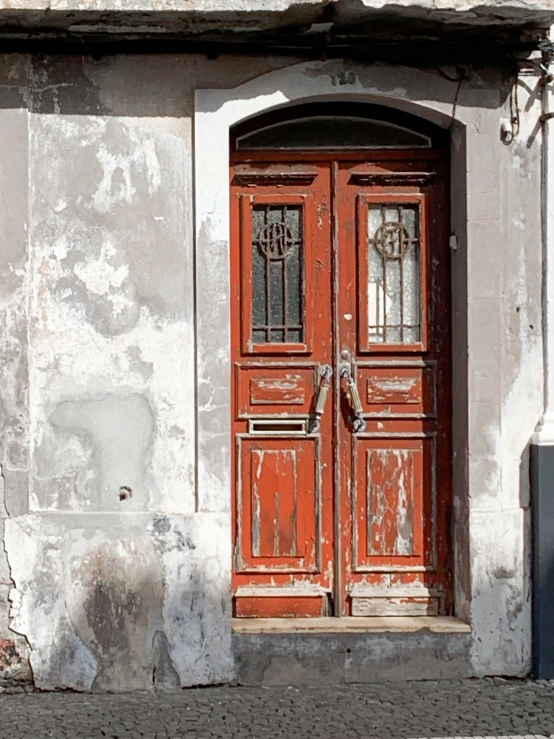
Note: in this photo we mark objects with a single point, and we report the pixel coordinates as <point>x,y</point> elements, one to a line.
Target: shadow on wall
<point>543,622</point>
<point>99,86</point>
<point>116,610</point>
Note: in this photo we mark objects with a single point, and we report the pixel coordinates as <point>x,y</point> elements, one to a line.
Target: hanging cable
<point>462,73</point>
<point>509,134</point>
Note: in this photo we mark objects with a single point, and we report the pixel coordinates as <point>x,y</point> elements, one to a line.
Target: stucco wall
<point>121,581</point>
<point>14,355</point>
<point>120,573</point>
<point>504,321</point>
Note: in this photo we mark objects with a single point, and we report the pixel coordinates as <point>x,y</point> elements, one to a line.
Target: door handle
<point>358,423</point>
<point>325,374</point>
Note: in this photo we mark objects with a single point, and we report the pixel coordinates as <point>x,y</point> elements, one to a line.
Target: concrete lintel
<point>363,19</point>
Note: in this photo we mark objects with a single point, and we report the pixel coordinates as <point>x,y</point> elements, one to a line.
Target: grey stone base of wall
<point>542,515</point>
<point>336,659</point>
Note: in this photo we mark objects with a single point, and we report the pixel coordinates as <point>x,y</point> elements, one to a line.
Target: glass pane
<point>277,274</point>
<point>332,132</point>
<point>394,295</point>
<point>259,336</point>
<point>295,335</point>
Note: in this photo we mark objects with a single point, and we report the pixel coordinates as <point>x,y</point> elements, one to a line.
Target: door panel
<point>394,340</point>
<point>390,484</point>
<point>278,501</point>
<point>282,354</point>
<point>275,388</point>
<point>277,303</point>
<point>398,391</point>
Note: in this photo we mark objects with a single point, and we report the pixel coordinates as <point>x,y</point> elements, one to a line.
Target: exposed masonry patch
<point>14,648</point>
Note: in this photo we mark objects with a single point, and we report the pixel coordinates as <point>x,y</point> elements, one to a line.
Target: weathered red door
<point>282,357</point>
<point>341,375</point>
<point>393,338</point>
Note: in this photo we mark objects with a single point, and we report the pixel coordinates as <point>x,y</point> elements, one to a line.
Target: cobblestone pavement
<point>410,710</point>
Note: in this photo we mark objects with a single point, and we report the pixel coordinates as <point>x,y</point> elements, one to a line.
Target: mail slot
<point>277,427</point>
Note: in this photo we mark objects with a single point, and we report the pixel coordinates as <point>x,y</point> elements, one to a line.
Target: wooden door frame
<point>416,159</point>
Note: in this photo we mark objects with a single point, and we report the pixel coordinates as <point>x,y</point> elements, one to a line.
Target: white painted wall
<point>128,389</point>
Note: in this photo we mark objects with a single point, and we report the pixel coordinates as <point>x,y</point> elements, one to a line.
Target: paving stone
<point>486,709</point>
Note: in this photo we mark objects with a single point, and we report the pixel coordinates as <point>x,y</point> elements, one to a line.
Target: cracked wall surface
<point>122,603</point>
<point>14,351</point>
<point>118,572</point>
<point>119,582</point>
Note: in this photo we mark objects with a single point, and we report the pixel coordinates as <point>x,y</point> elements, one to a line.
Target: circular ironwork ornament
<point>276,241</point>
<point>392,240</point>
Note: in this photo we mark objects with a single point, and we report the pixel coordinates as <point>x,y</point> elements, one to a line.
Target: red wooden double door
<point>342,385</point>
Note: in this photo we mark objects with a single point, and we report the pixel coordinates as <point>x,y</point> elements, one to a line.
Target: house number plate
<point>344,78</point>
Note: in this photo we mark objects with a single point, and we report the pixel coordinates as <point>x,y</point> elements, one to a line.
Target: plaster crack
<point>13,584</point>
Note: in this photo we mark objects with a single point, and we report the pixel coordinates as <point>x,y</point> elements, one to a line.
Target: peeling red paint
<point>361,502</point>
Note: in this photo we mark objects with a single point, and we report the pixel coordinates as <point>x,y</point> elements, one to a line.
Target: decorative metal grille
<point>394,299</point>
<point>277,274</point>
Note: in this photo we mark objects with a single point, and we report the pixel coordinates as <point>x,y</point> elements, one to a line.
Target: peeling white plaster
<point>99,275</point>
<point>94,334</point>
<point>117,180</point>
<point>118,604</point>
<point>109,289</point>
